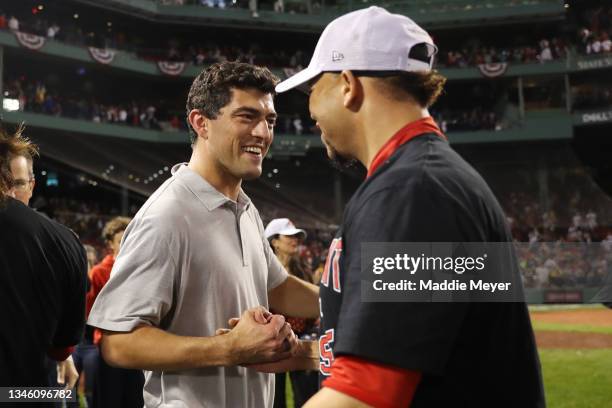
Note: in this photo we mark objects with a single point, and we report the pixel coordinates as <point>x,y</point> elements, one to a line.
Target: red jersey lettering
<point>326,353</point>
<point>332,265</point>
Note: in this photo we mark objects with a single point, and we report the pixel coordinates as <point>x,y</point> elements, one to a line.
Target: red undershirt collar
<point>405,134</point>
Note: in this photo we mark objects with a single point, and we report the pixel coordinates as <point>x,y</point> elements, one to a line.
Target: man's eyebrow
<point>253,111</point>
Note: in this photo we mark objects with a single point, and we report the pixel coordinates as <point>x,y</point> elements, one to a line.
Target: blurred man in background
<point>43,275</point>
<point>22,170</point>
<point>112,387</point>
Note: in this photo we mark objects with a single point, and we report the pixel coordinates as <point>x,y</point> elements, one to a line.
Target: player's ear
<point>352,90</point>
<point>199,123</point>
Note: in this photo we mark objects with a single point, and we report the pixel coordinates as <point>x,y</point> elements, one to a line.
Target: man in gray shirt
<point>195,256</point>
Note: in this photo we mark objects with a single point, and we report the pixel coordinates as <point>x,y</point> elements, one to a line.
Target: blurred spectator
<point>279,6</point>
<point>114,387</point>
<point>214,3</point>
<point>52,31</point>
<point>13,23</point>
<point>284,240</point>
<point>545,52</point>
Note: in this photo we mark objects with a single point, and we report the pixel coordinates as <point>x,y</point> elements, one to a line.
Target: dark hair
<point>295,267</point>
<point>211,90</point>
<point>424,87</point>
<point>12,146</point>
<point>117,224</point>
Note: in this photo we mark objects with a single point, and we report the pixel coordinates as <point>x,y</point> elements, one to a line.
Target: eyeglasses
<point>23,184</point>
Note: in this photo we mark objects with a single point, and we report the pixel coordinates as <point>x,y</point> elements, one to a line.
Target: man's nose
<point>262,130</point>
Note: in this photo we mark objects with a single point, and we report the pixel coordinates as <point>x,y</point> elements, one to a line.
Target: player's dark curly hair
<point>424,87</point>
<point>211,90</point>
<point>11,146</point>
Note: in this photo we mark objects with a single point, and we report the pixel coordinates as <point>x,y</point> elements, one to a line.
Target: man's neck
<point>378,132</point>
<point>224,183</point>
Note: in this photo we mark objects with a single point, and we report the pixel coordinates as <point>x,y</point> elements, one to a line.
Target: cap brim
<point>293,231</point>
<point>298,79</point>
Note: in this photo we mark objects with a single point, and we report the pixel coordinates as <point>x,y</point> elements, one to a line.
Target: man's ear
<point>199,123</point>
<point>352,91</point>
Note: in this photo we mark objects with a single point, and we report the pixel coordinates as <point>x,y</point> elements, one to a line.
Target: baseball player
<point>371,82</point>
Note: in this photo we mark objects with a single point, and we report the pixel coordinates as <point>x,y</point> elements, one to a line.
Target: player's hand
<point>305,357</point>
<point>291,342</point>
<point>260,318</point>
<point>231,323</point>
<point>261,337</point>
<point>67,374</point>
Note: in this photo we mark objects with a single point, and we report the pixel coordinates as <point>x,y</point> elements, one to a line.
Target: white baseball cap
<point>370,39</point>
<point>282,226</point>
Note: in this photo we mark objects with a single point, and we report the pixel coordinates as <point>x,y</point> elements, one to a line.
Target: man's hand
<point>259,337</point>
<point>67,373</point>
<point>305,357</point>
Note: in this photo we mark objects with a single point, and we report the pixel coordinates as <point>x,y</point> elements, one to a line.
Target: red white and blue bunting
<point>30,41</point>
<point>103,56</point>
<point>171,68</point>
<point>493,69</point>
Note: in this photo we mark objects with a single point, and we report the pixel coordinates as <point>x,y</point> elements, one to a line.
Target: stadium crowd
<point>159,114</point>
<point>466,120</point>
<point>592,38</point>
<point>37,97</point>
<point>573,241</point>
<point>546,50</point>
<point>596,30</point>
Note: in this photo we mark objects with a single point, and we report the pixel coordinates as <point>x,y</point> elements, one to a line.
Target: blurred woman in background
<point>285,240</point>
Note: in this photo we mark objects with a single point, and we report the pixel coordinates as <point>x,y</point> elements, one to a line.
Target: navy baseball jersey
<point>469,354</point>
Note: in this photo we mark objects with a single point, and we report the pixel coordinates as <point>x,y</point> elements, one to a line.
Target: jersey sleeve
<point>143,281</point>
<point>386,387</point>
<point>414,336</point>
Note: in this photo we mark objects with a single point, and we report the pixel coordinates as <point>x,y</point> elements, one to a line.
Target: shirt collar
<point>206,193</point>
<point>402,136</point>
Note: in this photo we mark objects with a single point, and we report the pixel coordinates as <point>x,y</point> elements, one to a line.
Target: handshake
<point>266,343</point>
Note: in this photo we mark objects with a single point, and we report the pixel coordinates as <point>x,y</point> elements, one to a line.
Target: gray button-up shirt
<point>191,259</point>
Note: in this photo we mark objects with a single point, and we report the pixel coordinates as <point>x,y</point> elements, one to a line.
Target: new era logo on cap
<point>371,39</point>
<point>337,56</point>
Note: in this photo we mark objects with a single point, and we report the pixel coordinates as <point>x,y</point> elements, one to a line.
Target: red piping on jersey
<point>405,134</point>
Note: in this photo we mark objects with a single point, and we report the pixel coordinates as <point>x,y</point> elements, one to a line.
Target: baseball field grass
<point>575,347</point>
<point>577,378</point>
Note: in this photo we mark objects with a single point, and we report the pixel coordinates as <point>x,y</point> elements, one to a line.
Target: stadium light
<point>10,105</point>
